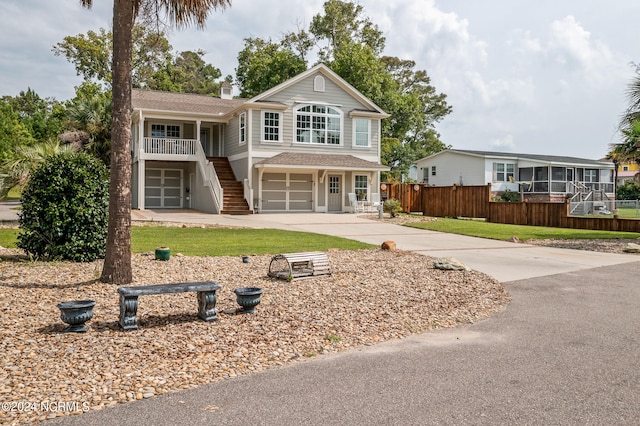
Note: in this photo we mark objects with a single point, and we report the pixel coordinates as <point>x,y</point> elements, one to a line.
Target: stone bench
<point>291,266</point>
<point>129,299</point>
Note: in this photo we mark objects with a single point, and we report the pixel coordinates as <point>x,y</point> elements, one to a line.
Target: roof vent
<point>226,90</point>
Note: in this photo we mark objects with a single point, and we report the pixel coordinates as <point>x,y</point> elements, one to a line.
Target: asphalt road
<point>564,352</point>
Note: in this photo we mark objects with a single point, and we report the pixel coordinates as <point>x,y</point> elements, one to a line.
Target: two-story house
<point>301,146</point>
<point>627,170</point>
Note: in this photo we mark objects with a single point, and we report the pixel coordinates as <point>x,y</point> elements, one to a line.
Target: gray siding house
<point>301,146</point>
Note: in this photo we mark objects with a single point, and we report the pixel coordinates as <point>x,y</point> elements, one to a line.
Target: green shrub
<point>65,208</point>
<point>630,190</point>
<point>507,197</point>
<point>392,206</point>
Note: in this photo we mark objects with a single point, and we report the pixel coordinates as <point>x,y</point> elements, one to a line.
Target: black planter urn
<point>76,313</point>
<point>248,298</point>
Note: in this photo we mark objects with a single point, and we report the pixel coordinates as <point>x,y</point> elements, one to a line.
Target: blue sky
<point>544,77</point>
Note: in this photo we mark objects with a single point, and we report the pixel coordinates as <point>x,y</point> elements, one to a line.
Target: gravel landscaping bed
<point>372,296</point>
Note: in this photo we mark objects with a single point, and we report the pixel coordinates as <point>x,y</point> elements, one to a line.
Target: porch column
<point>260,172</point>
<point>141,134</point>
<point>141,180</point>
<point>197,136</point>
<point>141,161</point>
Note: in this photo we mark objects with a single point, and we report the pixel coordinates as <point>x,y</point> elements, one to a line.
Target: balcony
<point>169,149</point>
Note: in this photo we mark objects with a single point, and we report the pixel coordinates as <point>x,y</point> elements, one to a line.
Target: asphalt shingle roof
<point>321,160</point>
<point>183,102</point>
<point>546,158</point>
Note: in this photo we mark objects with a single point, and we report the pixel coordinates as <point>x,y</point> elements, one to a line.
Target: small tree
<point>64,209</point>
<point>392,206</point>
<point>630,190</point>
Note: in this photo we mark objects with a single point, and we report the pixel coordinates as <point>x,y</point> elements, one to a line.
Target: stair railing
<point>248,193</point>
<point>210,178</point>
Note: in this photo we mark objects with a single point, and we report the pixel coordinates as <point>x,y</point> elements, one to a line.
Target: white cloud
<point>503,144</point>
<point>569,49</point>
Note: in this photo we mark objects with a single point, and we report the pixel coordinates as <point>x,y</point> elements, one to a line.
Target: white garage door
<point>163,189</point>
<point>291,192</point>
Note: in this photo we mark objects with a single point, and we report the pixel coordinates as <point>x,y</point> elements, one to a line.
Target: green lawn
<point>14,194</point>
<point>221,242</point>
<point>498,231</point>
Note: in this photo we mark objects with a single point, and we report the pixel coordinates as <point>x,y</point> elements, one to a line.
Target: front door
<point>335,193</point>
<point>204,141</point>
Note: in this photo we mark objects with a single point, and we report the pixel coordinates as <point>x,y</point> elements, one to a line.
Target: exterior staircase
<point>233,190</point>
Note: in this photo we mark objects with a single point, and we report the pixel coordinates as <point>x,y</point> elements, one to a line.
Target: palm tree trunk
<point>117,262</point>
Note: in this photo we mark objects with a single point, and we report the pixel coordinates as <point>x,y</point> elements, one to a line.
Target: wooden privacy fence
<point>475,201</point>
<point>467,201</point>
<point>555,215</point>
<point>409,195</point>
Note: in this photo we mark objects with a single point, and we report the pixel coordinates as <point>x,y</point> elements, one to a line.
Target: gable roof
<point>327,72</point>
<point>516,156</point>
<point>323,161</point>
<point>154,100</point>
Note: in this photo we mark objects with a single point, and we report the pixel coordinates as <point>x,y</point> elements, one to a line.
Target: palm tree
<point>18,165</point>
<point>633,96</point>
<point>117,262</point>
<point>92,118</point>
<point>614,156</point>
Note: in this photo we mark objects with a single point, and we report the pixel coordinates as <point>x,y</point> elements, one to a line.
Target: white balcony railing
<point>173,147</point>
<point>168,149</point>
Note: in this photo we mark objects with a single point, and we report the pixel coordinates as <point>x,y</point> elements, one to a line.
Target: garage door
<point>291,192</point>
<point>163,189</point>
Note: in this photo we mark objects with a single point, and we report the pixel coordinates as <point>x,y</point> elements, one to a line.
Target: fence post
<point>488,201</point>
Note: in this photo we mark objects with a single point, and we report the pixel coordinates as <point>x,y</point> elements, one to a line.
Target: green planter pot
<point>163,253</point>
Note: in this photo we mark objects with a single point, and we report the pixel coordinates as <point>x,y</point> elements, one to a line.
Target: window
<point>334,184</point>
<point>361,187</point>
<point>558,173</point>
<point>503,172</point>
<point>361,132</point>
<point>590,175</point>
<point>541,173</point>
<point>318,84</point>
<point>242,133</point>
<point>526,174</point>
<point>433,170</point>
<point>165,131</point>
<point>625,168</point>
<point>270,126</point>
<point>318,124</point>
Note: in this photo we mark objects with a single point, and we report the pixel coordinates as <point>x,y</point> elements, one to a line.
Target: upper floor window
<point>165,131</point>
<point>318,83</point>
<point>271,126</point>
<point>625,168</point>
<point>504,172</point>
<point>242,128</point>
<point>318,124</point>
<point>362,132</point>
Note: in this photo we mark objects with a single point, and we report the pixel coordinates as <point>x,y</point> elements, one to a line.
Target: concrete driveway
<point>503,260</point>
